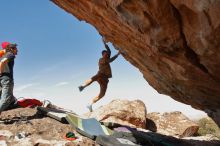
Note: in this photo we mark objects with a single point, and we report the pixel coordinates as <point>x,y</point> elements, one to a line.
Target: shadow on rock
<point>21,119</point>
<point>162,140</point>
<point>150,125</point>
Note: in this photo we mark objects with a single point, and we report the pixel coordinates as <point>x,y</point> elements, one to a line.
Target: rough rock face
<point>24,127</point>
<point>174,124</point>
<point>124,112</point>
<point>174,43</point>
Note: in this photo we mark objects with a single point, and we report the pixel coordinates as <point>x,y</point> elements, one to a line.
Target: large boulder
<point>174,43</point>
<point>124,112</point>
<point>173,124</point>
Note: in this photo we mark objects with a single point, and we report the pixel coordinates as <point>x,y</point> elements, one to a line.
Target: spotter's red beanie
<point>5,44</point>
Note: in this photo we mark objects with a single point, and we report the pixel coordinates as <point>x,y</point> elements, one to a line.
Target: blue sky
<point>57,53</point>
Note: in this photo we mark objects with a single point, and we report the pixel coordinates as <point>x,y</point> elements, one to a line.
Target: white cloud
<point>61,84</point>
<point>23,87</point>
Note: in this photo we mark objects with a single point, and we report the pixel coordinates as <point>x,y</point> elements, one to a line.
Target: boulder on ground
<point>173,124</point>
<point>124,112</point>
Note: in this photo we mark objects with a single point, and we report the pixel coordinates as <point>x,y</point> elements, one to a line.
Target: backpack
<point>29,102</point>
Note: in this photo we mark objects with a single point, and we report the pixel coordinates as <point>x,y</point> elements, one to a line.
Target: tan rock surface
<point>124,112</point>
<point>44,131</point>
<point>36,129</point>
<point>174,124</point>
<point>174,43</point>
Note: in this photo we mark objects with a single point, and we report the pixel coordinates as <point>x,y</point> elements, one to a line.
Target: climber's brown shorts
<point>103,82</point>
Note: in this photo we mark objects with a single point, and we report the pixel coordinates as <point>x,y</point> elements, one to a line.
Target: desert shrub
<point>208,126</point>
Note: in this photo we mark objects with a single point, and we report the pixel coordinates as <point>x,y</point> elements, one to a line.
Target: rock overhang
<point>175,44</point>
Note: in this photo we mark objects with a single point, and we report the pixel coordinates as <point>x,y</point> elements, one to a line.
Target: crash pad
<point>125,139</point>
<point>90,128</point>
<point>107,140</point>
<point>111,124</point>
<point>56,114</point>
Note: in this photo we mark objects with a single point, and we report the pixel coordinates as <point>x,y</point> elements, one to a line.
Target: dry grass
<point>208,126</point>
